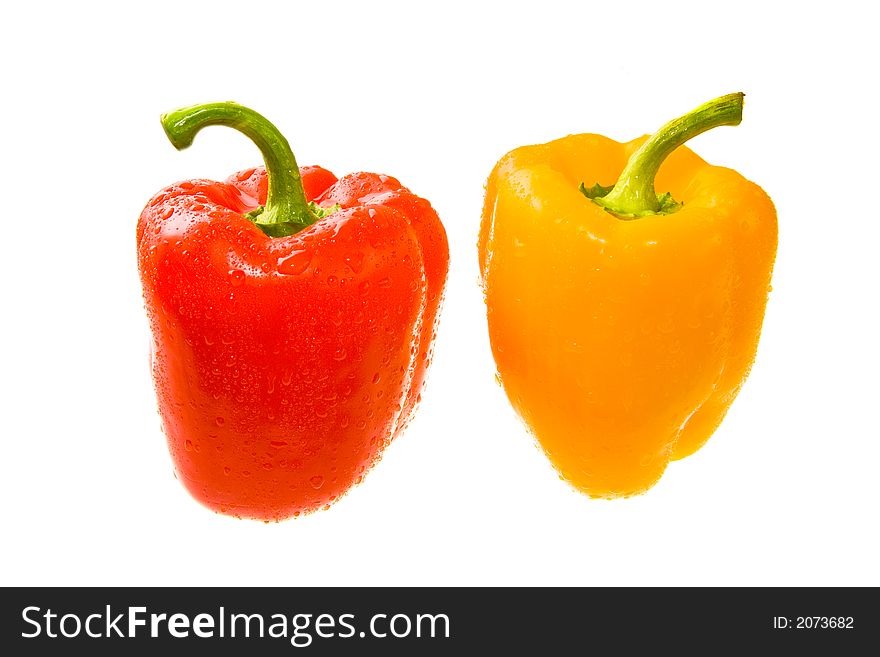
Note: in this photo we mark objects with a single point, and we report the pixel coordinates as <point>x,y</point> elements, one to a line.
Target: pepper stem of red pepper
<point>633,195</point>
<point>286,211</point>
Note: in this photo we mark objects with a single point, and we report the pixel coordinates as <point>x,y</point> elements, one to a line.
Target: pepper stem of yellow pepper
<point>633,195</point>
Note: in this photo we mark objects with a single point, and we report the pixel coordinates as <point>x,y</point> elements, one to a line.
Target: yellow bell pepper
<point>624,323</point>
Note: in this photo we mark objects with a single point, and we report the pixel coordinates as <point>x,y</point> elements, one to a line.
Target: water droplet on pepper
<point>294,264</point>
<point>236,277</point>
<point>355,261</point>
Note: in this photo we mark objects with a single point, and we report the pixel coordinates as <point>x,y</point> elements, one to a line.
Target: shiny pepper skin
<point>622,342</point>
<point>284,366</point>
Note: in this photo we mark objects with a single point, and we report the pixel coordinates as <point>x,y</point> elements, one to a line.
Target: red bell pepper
<point>293,316</point>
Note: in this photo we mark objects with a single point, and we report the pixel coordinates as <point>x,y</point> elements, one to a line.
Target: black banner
<point>407,621</point>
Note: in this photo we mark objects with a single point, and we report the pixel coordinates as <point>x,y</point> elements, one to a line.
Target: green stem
<point>287,210</point>
<point>633,195</point>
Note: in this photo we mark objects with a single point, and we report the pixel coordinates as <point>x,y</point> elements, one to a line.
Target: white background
<point>786,493</point>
